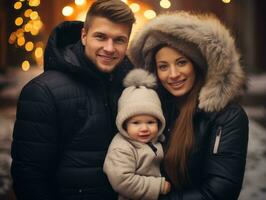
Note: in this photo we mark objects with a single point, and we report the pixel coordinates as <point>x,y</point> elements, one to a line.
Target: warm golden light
<point>134,7</point>
<point>29,46</point>
<point>149,14</point>
<point>34,31</point>
<point>125,1</point>
<point>27,12</point>
<point>38,52</point>
<point>81,16</point>
<point>25,65</point>
<point>165,4</point>
<point>37,24</point>
<point>28,27</point>
<point>21,41</point>
<point>17,5</point>
<point>226,1</point>
<point>12,38</point>
<point>34,15</point>
<point>34,3</point>
<point>80,2</point>
<point>19,21</point>
<point>67,11</point>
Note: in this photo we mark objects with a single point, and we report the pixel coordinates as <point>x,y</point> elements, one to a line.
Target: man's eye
<point>120,41</point>
<point>100,37</point>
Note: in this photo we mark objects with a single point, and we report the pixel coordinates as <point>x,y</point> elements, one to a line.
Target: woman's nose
<point>174,72</point>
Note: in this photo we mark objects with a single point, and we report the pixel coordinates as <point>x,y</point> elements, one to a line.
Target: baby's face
<point>142,128</point>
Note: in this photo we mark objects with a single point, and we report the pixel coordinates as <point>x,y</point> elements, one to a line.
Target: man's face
<point>105,43</point>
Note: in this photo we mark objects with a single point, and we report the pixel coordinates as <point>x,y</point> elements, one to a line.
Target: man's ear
<point>83,36</point>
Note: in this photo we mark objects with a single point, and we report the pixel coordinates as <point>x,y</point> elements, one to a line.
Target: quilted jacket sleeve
<point>34,148</point>
<point>224,165</point>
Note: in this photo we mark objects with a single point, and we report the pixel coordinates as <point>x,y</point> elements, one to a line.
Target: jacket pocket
<point>218,136</point>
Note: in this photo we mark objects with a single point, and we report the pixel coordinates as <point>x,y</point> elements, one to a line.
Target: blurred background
<point>26,24</point>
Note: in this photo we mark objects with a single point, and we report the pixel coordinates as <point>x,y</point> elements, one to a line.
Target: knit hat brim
<point>139,109</point>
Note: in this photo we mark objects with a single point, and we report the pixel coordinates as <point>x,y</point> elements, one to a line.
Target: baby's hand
<point>167,187</point>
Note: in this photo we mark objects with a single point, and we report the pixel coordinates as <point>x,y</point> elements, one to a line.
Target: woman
<point>197,65</point>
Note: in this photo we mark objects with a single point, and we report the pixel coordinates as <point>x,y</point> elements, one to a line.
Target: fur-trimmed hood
<point>225,77</point>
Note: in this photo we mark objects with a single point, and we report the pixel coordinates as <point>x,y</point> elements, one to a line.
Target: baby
<point>132,163</point>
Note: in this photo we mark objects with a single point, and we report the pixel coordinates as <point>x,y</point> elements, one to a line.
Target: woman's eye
<point>152,122</point>
<point>182,62</point>
<point>135,122</point>
<point>162,67</point>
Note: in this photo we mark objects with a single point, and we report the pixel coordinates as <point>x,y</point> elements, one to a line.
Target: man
<point>65,116</point>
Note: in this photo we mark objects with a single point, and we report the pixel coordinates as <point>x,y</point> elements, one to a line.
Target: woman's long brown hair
<point>182,136</point>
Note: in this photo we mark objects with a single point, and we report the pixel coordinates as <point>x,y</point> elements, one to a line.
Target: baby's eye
<point>135,122</point>
<point>152,122</point>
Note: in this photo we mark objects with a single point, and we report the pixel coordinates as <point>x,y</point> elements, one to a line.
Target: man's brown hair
<point>114,10</point>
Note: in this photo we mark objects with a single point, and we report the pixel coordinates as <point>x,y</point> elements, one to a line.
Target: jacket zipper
<point>217,140</point>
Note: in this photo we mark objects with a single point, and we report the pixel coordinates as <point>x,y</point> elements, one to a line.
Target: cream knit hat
<point>139,97</point>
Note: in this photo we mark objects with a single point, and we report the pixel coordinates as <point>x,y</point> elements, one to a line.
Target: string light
<point>226,1</point>
<point>165,4</point>
<point>134,7</point>
<point>38,52</point>
<point>27,12</point>
<point>67,11</point>
<point>80,2</point>
<point>29,46</point>
<point>149,14</point>
<point>25,65</point>
<point>17,5</point>
<point>34,3</point>
<point>19,21</point>
<point>29,23</point>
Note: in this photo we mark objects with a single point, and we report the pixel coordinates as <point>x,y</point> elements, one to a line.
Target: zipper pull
<point>217,140</point>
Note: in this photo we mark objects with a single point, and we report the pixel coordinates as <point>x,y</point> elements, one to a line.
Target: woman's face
<point>175,71</point>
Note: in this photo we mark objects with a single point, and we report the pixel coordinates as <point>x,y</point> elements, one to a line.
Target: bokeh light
<point>29,46</point>
<point>149,14</point>
<point>17,5</point>
<point>67,11</point>
<point>25,65</point>
<point>80,2</point>
<point>134,7</point>
<point>19,21</point>
<point>165,4</point>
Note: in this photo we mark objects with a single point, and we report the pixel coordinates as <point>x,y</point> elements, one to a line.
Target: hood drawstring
<point>154,149</point>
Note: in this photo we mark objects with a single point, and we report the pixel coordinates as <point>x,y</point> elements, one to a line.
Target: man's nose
<point>109,46</point>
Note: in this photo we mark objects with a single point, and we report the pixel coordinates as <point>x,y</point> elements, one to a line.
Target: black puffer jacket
<point>65,122</point>
<point>217,162</point>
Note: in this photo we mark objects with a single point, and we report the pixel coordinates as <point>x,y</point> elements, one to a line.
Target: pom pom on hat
<point>139,98</point>
<point>140,77</point>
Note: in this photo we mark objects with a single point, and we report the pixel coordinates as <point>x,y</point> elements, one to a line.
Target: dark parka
<point>65,122</point>
<point>216,164</point>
